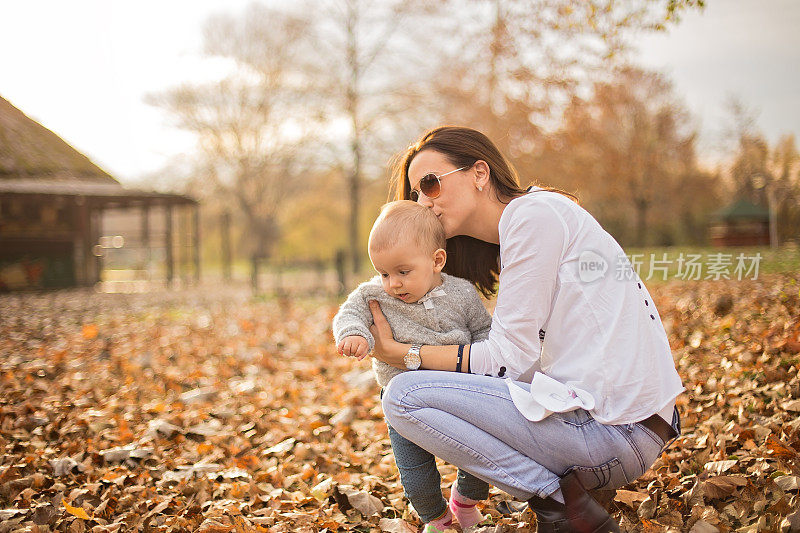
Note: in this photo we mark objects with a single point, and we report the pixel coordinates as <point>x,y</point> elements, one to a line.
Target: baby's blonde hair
<point>404,221</point>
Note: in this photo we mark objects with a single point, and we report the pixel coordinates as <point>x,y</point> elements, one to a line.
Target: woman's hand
<point>386,349</point>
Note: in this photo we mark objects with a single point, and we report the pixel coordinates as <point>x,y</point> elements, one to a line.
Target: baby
<point>425,306</point>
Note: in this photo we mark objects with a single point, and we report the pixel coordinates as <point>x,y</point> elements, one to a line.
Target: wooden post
<point>773,216</point>
<point>81,242</point>
<point>183,246</point>
<point>168,244</point>
<point>322,282</point>
<point>225,238</point>
<point>148,256</point>
<point>254,260</point>
<point>96,225</point>
<point>279,278</point>
<point>340,271</point>
<point>196,242</point>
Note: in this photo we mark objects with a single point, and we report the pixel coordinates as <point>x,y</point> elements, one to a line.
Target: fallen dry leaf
<point>701,526</point>
<point>788,483</point>
<point>362,501</point>
<point>791,524</point>
<point>722,486</point>
<point>206,409</point>
<point>395,525</point>
<point>75,511</point>
<point>719,467</point>
<point>779,449</point>
<point>630,498</point>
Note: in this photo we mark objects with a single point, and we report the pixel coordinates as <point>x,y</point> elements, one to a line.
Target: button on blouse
<point>595,329</point>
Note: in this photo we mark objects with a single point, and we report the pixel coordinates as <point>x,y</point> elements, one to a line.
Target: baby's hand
<point>354,346</point>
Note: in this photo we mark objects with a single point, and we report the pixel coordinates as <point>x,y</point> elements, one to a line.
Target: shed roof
<point>742,209</point>
<point>104,191</point>
<point>29,150</point>
<point>36,161</point>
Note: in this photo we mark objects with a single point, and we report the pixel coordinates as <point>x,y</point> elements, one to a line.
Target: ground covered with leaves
<point>208,410</point>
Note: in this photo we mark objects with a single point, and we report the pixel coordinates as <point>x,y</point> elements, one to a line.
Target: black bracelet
<point>460,357</point>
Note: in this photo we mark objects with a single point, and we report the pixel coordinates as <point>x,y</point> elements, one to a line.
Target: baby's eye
<point>404,272</point>
<point>384,275</point>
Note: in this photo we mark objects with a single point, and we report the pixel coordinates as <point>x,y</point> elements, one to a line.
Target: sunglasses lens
<point>430,186</point>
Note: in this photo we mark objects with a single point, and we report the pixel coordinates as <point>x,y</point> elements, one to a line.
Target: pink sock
<point>464,508</point>
<point>444,521</point>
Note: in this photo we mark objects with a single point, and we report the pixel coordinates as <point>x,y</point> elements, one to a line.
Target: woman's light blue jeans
<point>471,422</point>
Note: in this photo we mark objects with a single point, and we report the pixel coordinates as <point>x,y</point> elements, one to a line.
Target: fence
<point>283,277</point>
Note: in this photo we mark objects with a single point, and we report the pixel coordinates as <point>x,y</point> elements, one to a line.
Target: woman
<point>588,395</point>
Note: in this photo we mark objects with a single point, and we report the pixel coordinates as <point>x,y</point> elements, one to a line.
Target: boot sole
<point>609,525</point>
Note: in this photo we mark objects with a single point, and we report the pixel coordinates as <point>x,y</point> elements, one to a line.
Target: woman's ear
<point>439,259</point>
<point>482,173</point>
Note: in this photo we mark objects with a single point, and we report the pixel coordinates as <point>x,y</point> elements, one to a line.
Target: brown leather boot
<point>579,514</point>
<point>551,516</point>
<point>583,513</point>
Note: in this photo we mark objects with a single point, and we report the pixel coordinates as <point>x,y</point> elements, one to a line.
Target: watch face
<point>412,360</point>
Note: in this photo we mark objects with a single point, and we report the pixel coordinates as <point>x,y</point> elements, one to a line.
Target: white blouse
<point>571,307</point>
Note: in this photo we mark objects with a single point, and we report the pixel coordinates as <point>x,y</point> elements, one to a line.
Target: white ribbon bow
<point>427,300</point>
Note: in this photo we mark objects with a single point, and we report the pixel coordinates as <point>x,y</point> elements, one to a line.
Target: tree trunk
<point>355,194</point>
<point>772,206</point>
<point>353,110</point>
<point>494,51</point>
<point>225,242</point>
<point>642,206</point>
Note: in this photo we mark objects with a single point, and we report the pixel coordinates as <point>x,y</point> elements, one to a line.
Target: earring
<point>480,188</point>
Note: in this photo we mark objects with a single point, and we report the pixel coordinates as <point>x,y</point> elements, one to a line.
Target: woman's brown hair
<point>467,257</point>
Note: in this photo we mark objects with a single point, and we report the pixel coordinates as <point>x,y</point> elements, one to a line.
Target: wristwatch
<point>412,359</point>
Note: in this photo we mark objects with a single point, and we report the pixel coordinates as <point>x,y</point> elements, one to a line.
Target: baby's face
<point>407,273</point>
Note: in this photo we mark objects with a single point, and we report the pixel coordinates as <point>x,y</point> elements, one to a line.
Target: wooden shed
<point>741,223</point>
<point>52,202</point>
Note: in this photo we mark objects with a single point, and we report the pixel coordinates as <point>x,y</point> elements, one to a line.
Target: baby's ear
<point>439,259</point>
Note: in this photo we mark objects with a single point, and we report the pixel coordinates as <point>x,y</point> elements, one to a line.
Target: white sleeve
<point>535,240</point>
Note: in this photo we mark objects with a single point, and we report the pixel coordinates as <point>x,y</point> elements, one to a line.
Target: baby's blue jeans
<point>471,422</point>
<point>421,481</point>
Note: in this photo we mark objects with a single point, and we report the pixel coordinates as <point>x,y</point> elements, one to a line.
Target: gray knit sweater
<point>457,317</point>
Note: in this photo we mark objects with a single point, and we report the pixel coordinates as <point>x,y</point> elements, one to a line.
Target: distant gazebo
<point>52,201</point>
<point>741,223</point>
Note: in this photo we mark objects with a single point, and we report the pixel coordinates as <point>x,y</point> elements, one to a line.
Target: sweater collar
<point>427,300</point>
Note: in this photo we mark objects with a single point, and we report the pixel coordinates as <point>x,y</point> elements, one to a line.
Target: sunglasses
<point>430,185</point>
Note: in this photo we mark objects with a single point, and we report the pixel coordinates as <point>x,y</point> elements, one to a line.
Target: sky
<point>83,67</point>
<point>749,49</point>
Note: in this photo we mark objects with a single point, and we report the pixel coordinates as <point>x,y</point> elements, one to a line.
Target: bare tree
<point>521,61</point>
<point>253,127</point>
<point>769,176</point>
<point>365,70</point>
<point>764,174</point>
<point>628,150</point>
<point>780,183</point>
